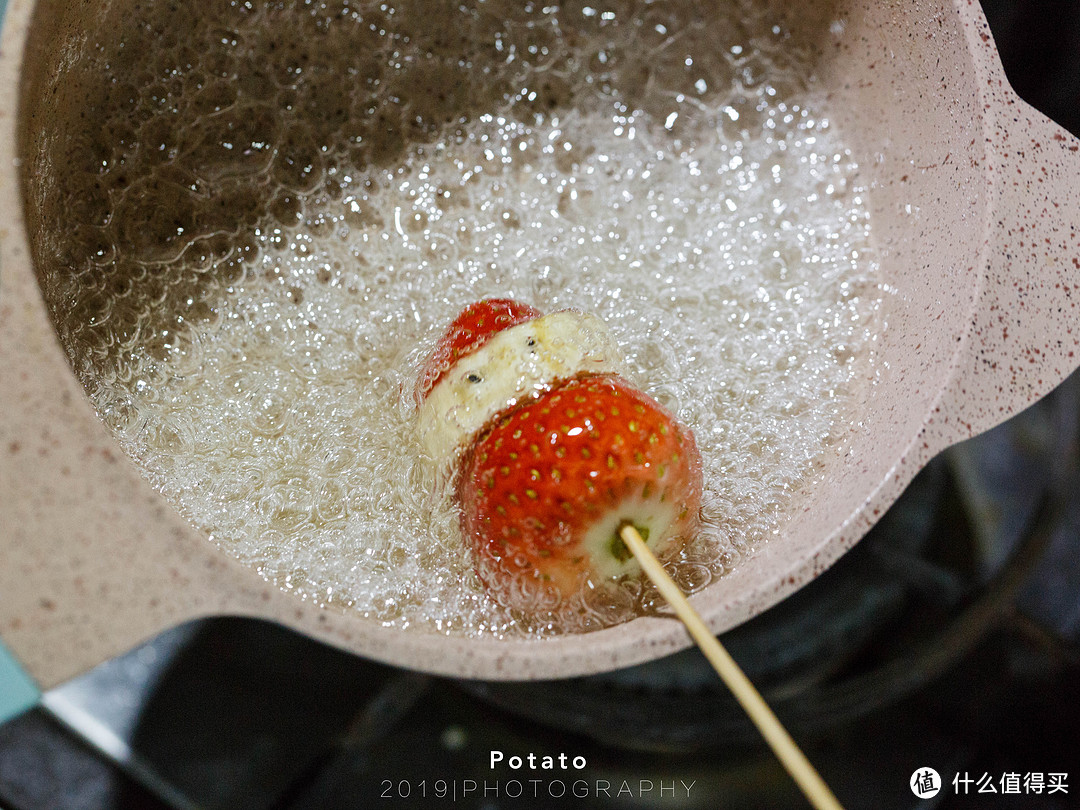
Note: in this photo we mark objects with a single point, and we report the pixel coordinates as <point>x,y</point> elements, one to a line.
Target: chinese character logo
<point>925,783</point>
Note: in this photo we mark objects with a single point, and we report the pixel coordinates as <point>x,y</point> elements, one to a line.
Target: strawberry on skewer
<point>544,493</point>
<point>553,452</point>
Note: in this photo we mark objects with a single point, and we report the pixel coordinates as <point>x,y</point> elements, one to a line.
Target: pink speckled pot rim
<point>976,204</point>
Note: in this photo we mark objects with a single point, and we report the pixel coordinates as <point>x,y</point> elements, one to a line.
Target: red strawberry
<point>473,327</point>
<point>544,492</point>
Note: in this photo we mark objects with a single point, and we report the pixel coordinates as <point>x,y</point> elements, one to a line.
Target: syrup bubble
<point>258,219</point>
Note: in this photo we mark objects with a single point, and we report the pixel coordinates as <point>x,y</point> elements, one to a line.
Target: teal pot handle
<point>17,691</point>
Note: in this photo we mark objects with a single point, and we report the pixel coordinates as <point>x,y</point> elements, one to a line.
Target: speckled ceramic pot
<point>976,209</point>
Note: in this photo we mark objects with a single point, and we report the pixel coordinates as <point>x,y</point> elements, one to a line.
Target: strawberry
<point>496,355</point>
<point>473,327</point>
<point>544,491</point>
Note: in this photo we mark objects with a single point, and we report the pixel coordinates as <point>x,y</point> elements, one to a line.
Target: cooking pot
<point>975,207</point>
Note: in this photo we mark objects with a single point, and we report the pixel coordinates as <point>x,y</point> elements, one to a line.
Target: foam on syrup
<point>284,209</point>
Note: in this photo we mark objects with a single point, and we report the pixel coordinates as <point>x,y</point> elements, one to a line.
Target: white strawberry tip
<point>609,557</point>
<point>519,362</point>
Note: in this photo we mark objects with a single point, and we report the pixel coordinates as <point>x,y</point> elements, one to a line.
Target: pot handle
<point>1023,338</point>
<point>18,692</point>
<point>92,560</point>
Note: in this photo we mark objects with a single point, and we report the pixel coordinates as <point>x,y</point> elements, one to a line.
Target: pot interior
<point>168,153</point>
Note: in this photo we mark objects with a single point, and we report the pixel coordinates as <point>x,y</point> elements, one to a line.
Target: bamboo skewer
<point>785,748</point>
